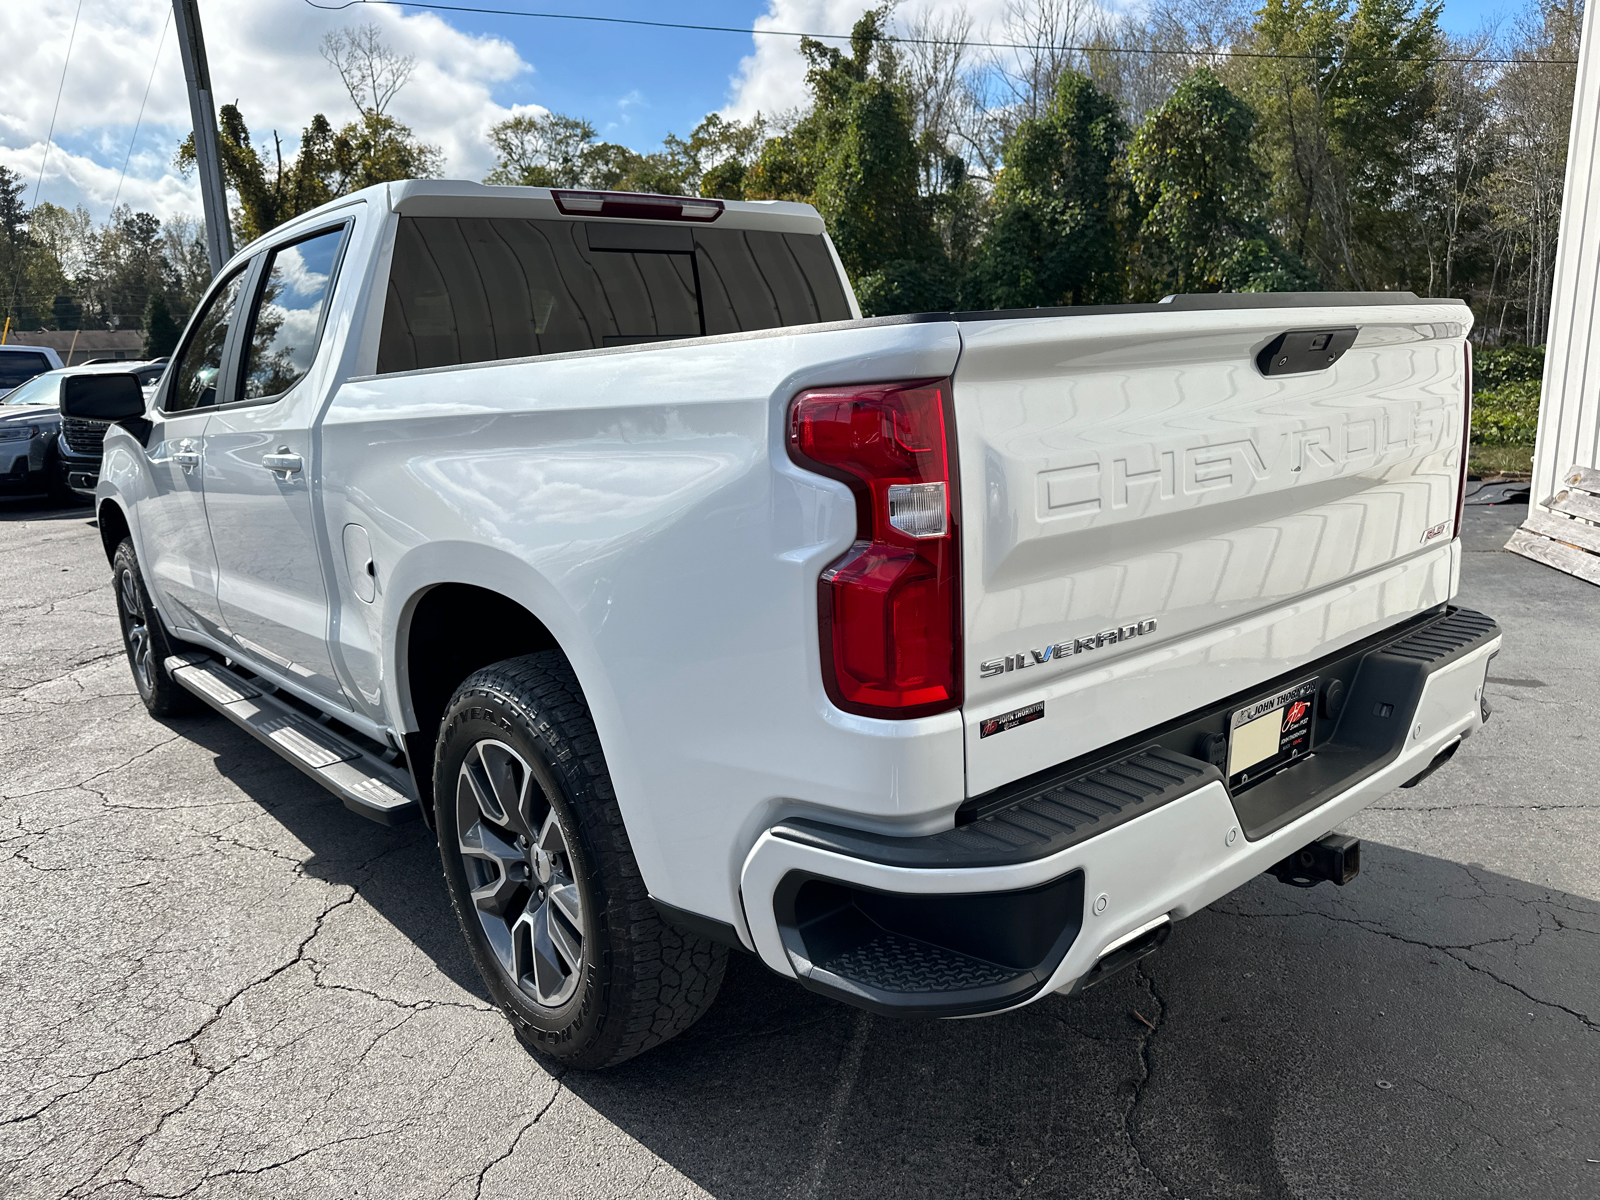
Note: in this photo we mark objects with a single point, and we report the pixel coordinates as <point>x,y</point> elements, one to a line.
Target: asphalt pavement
<point>216,981</point>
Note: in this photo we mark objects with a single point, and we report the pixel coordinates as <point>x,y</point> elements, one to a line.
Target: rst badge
<point>1056,651</point>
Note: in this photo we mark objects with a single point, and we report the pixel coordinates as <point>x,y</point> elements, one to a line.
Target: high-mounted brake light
<point>1466,446</point>
<point>637,205</point>
<point>890,607</point>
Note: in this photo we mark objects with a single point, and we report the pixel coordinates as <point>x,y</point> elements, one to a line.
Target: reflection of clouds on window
<point>283,338</point>
<point>300,278</point>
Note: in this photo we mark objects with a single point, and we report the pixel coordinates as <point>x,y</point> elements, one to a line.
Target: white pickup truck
<point>941,661</point>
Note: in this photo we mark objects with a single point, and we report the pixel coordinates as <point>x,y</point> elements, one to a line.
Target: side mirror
<point>102,397</point>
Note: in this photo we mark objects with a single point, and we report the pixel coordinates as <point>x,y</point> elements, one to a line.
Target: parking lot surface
<point>219,982</point>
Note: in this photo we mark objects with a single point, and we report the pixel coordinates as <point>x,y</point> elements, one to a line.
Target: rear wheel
<point>543,879</point>
<point>146,640</point>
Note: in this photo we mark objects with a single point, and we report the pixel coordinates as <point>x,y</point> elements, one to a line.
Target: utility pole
<point>219,240</point>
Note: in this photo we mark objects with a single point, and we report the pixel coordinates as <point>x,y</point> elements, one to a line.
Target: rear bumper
<point>1028,897</point>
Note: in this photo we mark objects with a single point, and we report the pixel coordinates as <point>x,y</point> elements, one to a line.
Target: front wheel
<point>145,639</point>
<point>543,879</point>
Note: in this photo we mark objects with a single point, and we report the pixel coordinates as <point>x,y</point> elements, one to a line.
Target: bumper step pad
<point>939,954</point>
<point>367,785</point>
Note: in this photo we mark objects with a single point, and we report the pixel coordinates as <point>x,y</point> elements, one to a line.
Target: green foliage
<point>1202,192</point>
<point>1506,384</point>
<point>1061,207</point>
<point>1261,264</point>
<point>1343,89</point>
<point>374,148</point>
<point>1494,367</point>
<point>553,150</point>
<point>161,328</point>
<point>853,155</point>
<point>907,286</point>
<point>1507,415</point>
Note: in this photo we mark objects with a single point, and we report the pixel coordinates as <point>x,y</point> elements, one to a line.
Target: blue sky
<point>635,84</point>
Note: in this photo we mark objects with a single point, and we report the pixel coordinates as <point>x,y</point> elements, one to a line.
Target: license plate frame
<point>1257,748</point>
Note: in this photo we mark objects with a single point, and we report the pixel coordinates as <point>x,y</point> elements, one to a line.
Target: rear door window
<point>465,290</point>
<point>19,366</point>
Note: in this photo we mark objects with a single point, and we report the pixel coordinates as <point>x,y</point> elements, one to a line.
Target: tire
<point>543,879</point>
<point>146,640</point>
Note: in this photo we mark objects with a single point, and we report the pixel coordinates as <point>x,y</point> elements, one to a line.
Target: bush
<point>1494,368</point>
<point>1506,416</point>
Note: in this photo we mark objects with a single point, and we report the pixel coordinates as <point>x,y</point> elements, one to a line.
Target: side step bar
<point>367,785</point>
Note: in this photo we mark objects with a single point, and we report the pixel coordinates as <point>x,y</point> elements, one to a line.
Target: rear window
<point>19,366</point>
<point>465,290</point>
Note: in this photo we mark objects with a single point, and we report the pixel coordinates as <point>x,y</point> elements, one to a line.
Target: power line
<point>48,138</point>
<point>137,121</point>
<point>906,41</point>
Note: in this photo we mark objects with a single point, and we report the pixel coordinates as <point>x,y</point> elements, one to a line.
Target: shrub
<point>1495,367</point>
<point>1507,415</point>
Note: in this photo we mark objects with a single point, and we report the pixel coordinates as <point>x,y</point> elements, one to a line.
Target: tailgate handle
<point>1299,351</point>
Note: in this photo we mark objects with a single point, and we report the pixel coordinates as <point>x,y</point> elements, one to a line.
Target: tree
<point>13,212</point>
<point>1524,191</point>
<point>854,155</point>
<point>543,150</point>
<point>1343,90</point>
<point>1061,207</point>
<point>1201,192</point>
<point>374,148</point>
<point>161,328</point>
<point>372,71</point>
<point>553,150</point>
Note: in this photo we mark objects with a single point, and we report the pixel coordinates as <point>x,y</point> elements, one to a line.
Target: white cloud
<point>773,79</point>
<point>263,54</point>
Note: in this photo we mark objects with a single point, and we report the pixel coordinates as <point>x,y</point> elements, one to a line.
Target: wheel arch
<point>476,608</point>
<point>114,527</point>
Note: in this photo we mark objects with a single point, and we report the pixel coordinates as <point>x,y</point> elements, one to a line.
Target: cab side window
<point>287,318</point>
<point>194,383</point>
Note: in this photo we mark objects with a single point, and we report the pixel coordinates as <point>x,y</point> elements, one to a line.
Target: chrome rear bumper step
<point>367,785</point>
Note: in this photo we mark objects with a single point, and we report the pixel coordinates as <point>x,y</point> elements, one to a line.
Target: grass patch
<point>1489,461</point>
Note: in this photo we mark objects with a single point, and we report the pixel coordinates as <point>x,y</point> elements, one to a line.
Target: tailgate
<point>1150,523</point>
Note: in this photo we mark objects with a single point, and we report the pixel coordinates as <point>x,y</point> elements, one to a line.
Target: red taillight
<point>1466,445</point>
<point>890,608</point>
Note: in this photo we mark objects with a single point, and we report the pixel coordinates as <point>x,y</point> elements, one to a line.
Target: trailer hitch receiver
<point>1334,857</point>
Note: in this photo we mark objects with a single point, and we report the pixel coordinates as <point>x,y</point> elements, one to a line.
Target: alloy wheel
<point>136,632</point>
<point>519,870</point>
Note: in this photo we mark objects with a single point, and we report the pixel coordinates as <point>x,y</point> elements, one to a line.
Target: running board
<point>367,785</point>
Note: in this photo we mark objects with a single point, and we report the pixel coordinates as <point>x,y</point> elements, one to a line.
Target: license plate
<point>1269,733</point>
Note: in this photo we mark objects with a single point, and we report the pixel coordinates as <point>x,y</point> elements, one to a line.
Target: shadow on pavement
<point>39,509</point>
<point>1429,1030</point>
<point>405,887</point>
<point>1426,1031</point>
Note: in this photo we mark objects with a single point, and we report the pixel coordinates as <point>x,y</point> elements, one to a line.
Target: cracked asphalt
<point>218,982</point>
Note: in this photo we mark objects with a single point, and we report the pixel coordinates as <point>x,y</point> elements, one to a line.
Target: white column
<point>1569,410</point>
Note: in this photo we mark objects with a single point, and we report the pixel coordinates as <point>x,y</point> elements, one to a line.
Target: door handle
<point>282,462</point>
<point>187,459</point>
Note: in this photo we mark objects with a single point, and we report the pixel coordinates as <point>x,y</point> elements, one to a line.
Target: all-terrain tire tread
<point>660,980</point>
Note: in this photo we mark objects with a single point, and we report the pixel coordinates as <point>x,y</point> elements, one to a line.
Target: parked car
<point>79,446</point>
<point>30,419</point>
<point>18,364</point>
<point>45,454</point>
<point>941,661</point>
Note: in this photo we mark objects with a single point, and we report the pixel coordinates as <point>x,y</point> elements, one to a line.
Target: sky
<point>472,70</point>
